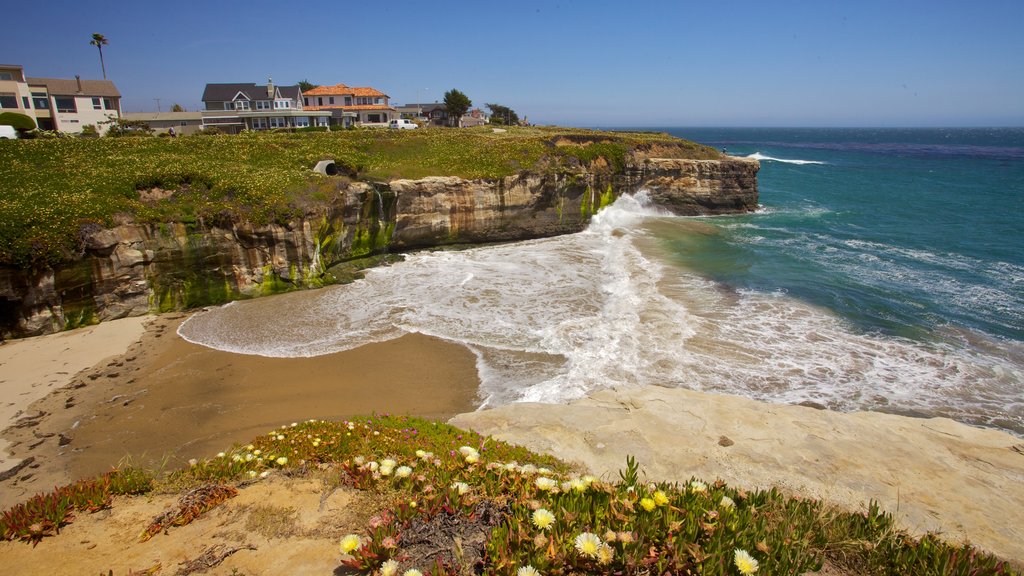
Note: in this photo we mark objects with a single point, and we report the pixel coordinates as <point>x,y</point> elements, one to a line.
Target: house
<point>351,105</point>
<point>435,112</point>
<point>236,107</point>
<point>184,123</point>
<point>475,117</point>
<point>57,103</point>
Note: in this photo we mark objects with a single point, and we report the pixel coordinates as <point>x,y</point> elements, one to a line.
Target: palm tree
<point>99,41</point>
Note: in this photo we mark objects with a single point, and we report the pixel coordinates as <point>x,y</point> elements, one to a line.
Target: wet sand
<point>169,400</point>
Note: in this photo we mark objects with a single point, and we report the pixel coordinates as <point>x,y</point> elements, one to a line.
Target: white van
<point>402,124</point>
<point>8,132</point>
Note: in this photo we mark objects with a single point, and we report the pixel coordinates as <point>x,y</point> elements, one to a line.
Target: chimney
<point>270,87</point>
<point>79,80</point>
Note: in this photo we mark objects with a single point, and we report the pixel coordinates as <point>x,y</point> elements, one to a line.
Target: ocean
<point>884,271</point>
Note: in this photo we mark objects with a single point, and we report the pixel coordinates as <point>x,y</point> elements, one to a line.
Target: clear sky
<point>570,62</point>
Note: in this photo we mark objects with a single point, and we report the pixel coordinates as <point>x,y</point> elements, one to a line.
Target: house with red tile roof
<point>351,105</point>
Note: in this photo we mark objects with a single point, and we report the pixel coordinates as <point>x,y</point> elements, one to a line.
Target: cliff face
<point>134,268</point>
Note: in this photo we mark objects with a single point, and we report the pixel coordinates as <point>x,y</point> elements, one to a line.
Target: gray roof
<point>156,116</point>
<point>65,87</point>
<point>226,92</point>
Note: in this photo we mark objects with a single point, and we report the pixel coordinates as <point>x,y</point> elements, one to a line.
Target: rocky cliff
<point>136,268</point>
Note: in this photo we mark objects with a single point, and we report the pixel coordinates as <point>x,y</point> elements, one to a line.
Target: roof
<point>64,87</point>
<point>226,92</point>
<point>354,107</point>
<point>343,90</point>
<point>328,90</point>
<point>156,116</point>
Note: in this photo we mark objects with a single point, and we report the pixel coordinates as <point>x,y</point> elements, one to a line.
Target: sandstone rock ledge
<point>931,474</point>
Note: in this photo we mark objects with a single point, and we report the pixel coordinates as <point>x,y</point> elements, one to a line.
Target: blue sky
<point>569,62</point>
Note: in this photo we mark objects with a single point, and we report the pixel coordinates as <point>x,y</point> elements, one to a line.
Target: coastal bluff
<point>932,474</point>
<point>137,268</point>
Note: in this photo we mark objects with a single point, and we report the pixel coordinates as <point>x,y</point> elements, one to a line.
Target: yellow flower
<point>647,504</point>
<point>350,544</point>
<point>543,519</point>
<point>588,544</point>
<point>281,461</point>
<point>605,554</point>
<point>745,563</point>
<point>698,486</point>
<point>660,498</point>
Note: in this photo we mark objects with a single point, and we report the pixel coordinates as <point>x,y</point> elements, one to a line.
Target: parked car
<point>8,132</point>
<point>403,124</point>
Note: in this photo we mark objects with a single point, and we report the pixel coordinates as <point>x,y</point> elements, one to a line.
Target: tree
<point>457,104</point>
<point>177,108</point>
<point>306,85</point>
<point>503,115</point>
<point>99,41</point>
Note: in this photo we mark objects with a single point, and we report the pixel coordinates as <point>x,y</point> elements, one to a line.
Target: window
<point>321,121</point>
<point>277,122</point>
<point>40,100</point>
<point>108,104</point>
<point>319,100</point>
<point>259,123</point>
<point>301,121</point>
<point>97,104</point>
<point>183,123</point>
<point>6,76</point>
<point>65,104</point>
<point>241,104</point>
<point>378,101</point>
<point>263,104</point>
<point>282,104</point>
<point>330,99</point>
<point>348,100</point>
<point>305,100</point>
<point>8,101</point>
<point>24,101</point>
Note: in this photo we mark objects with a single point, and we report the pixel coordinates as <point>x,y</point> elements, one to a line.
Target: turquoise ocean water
<point>884,271</point>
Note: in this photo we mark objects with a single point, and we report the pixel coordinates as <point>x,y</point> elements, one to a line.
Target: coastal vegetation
<point>453,502</point>
<point>54,189</point>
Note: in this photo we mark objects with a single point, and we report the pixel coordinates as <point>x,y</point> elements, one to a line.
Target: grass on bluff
<point>51,188</point>
<point>451,502</point>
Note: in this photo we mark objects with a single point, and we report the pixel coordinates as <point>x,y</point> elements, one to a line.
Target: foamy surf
<point>759,156</point>
<point>552,320</point>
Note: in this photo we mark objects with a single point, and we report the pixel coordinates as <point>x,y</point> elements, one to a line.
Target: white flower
<point>698,486</point>
<point>528,469</point>
<point>358,460</point>
<point>220,454</point>
<point>745,563</point>
<point>543,519</point>
<point>726,502</point>
<point>388,463</point>
<point>350,543</point>
<point>281,461</point>
<point>527,571</point>
<point>412,572</point>
<point>472,458</point>
<point>578,485</point>
<point>403,472</point>
<point>389,568</point>
<point>544,471</point>
<point>546,484</point>
<point>460,487</point>
<point>588,544</point>
<point>467,450</point>
<point>265,473</point>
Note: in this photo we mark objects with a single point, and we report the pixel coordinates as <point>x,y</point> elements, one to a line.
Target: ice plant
<point>403,472</point>
<point>588,544</point>
<point>389,568</point>
<point>647,504</point>
<point>543,519</point>
<point>745,563</point>
<point>412,572</point>
<point>350,543</point>
<point>527,571</point>
<point>660,498</point>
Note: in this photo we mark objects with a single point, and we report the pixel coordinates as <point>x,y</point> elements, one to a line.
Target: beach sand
<point>165,399</point>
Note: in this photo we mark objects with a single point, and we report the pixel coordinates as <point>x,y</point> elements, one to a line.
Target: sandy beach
<point>147,394</point>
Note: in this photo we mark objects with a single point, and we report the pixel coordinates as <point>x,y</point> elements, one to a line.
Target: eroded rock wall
<point>136,268</point>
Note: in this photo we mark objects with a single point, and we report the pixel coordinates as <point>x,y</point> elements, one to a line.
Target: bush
<point>19,122</point>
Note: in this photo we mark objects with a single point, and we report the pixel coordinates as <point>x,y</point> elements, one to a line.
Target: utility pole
<point>157,104</point>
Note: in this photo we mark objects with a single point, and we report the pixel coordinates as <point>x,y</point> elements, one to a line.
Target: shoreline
<point>165,400</point>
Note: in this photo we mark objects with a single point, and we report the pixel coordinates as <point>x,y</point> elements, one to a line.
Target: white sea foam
<point>551,320</point>
<point>759,156</point>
